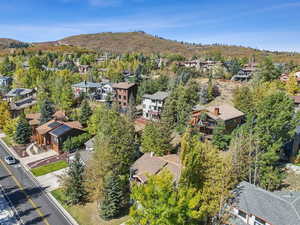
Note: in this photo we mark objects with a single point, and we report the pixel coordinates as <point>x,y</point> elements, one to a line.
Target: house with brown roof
<point>52,134</point>
<point>206,118</point>
<point>149,164</point>
<point>123,93</point>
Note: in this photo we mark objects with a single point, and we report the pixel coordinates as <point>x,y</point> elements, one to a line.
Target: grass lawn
<point>86,214</point>
<point>42,170</point>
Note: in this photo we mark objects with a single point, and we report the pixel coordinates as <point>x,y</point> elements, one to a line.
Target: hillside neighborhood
<point>131,137</point>
<point>139,112</point>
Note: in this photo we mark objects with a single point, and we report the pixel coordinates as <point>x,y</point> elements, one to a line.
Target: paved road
<point>31,202</point>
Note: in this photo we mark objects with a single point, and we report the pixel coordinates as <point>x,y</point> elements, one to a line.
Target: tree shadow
<point>36,220</point>
<point>4,177</point>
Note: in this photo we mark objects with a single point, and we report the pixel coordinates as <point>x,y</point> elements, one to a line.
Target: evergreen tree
<point>74,182</point>
<point>267,71</point>
<point>220,138</point>
<point>47,111</point>
<point>111,204</point>
<point>85,113</point>
<point>23,131</point>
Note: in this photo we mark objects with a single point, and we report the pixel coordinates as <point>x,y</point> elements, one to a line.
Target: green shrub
<point>75,142</point>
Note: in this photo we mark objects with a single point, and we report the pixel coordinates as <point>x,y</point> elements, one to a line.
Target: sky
<point>262,24</point>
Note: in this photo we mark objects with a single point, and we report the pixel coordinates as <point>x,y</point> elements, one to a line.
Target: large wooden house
<point>51,135</point>
<point>206,118</point>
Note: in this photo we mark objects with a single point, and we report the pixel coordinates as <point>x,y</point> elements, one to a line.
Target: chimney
<point>217,111</point>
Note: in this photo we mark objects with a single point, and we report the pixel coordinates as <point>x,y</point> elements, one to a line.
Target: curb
<point>60,208</point>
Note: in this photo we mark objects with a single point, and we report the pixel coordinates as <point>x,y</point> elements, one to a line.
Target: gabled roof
<point>276,208</point>
<point>123,85</point>
<point>46,127</point>
<point>18,92</point>
<point>226,112</point>
<point>86,84</point>
<point>160,95</point>
<point>151,165</point>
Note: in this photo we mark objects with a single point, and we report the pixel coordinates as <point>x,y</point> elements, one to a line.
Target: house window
<point>124,97</point>
<point>144,106</point>
<point>120,97</point>
<point>124,104</point>
<point>154,107</point>
<point>259,221</point>
<point>242,214</point>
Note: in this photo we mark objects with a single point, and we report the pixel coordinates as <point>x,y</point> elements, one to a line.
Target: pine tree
<point>23,131</point>
<point>220,138</point>
<point>111,204</point>
<point>74,183</point>
<point>85,113</point>
<point>47,111</point>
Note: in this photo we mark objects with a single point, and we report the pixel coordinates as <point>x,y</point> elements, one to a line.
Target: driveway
<point>50,181</point>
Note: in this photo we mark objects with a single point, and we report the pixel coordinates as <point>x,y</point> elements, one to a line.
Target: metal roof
<point>60,130</point>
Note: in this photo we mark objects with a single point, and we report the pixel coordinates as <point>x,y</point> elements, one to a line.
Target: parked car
<point>10,160</point>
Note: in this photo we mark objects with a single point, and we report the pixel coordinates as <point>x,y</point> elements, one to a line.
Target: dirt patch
<point>20,150</point>
<point>226,89</point>
<point>292,181</point>
<point>48,160</point>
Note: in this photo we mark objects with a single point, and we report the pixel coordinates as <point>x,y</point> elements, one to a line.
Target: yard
<point>42,170</point>
<point>86,214</point>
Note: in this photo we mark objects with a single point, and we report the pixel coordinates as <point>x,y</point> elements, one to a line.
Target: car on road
<point>10,160</point>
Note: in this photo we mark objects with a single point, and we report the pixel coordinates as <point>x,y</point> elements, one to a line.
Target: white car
<point>9,160</point>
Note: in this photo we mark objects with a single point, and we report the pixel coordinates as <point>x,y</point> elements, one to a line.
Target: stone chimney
<point>217,111</point>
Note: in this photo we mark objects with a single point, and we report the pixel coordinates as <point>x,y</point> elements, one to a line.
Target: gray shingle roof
<point>85,84</point>
<point>160,95</point>
<point>276,208</point>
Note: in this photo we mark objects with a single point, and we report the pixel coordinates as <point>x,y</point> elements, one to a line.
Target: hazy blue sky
<point>264,24</point>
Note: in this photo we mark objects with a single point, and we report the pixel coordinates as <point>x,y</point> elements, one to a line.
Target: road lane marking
<point>37,209</point>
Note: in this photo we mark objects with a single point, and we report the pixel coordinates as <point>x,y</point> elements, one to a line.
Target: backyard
<point>87,214</point>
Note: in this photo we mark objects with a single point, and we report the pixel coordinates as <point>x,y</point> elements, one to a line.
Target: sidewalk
<point>34,179</point>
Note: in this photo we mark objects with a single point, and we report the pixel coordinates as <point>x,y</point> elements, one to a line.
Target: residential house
<point>255,206</point>
<point>106,92</point>
<point>296,101</point>
<point>84,69</point>
<point>86,87</point>
<point>19,93</point>
<point>52,134</point>
<point>206,118</point>
<point>285,77</point>
<point>5,81</point>
<point>123,92</point>
<point>20,99</point>
<point>90,144</point>
<point>153,105</point>
<point>148,164</point>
